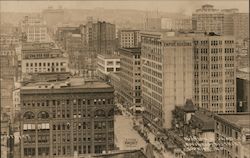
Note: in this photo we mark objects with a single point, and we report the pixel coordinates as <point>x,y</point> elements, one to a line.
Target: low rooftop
<point>240,120</point>
<point>131,50</point>
<point>111,56</point>
<point>203,120</point>
<point>75,82</point>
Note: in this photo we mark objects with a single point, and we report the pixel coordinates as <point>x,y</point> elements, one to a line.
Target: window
<point>100,113</point>
<point>43,115</point>
<point>29,115</point>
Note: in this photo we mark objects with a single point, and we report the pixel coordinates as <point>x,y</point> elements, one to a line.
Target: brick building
<point>66,117</point>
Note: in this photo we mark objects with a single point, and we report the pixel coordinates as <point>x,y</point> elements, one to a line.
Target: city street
<point>124,130</point>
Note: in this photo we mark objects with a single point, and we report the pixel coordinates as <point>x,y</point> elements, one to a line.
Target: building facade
<point>129,38</point>
<point>176,24</point>
<point>167,75</point>
<point>43,58</point>
<point>65,118</point>
<point>8,65</point>
<point>243,89</point>
<point>53,16</point>
<point>130,76</point>
<point>208,19</point>
<point>152,24</point>
<point>34,28</point>
<point>241,25</point>
<point>215,73</point>
<point>232,132</point>
<point>9,39</point>
<point>107,64</point>
<point>100,37</point>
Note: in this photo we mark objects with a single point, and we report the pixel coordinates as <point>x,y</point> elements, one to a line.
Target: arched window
<point>43,115</point>
<point>111,112</point>
<point>100,113</point>
<point>29,115</point>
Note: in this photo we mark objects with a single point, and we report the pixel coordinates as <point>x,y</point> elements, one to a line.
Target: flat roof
<point>75,82</point>
<point>106,56</point>
<point>241,120</point>
<point>131,50</point>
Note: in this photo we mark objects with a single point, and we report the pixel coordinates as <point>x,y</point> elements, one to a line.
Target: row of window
<point>67,102</point>
<point>45,64</point>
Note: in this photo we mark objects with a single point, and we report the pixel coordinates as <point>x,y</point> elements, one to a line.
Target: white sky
<point>186,6</point>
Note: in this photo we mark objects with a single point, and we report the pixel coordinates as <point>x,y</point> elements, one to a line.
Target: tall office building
<point>63,118</point>
<point>129,38</point>
<point>100,37</point>
<point>208,19</point>
<point>167,75</point>
<point>34,28</point>
<point>215,73</point>
<point>130,76</point>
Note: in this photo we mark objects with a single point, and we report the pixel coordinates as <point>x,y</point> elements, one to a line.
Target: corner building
<point>232,132</point>
<point>215,73</point>
<point>167,75</point>
<point>64,117</point>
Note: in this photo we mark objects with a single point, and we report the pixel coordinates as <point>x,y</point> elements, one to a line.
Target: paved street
<point>124,130</point>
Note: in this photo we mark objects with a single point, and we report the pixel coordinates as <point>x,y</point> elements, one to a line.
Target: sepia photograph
<point>124,79</point>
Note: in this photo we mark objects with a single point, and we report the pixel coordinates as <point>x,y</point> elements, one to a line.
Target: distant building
<point>176,24</point>
<point>100,37</point>
<point>8,65</point>
<point>53,16</point>
<point>34,28</point>
<point>152,24</point>
<point>62,32</point>
<point>66,118</point>
<point>130,76</point>
<point>215,73</point>
<point>232,132</point>
<point>9,39</point>
<point>5,135</point>
<point>223,22</point>
<point>129,38</point>
<point>107,64</point>
<point>241,25</point>
<point>167,75</point>
<point>16,100</point>
<point>43,58</point>
<point>208,19</point>
<point>228,23</point>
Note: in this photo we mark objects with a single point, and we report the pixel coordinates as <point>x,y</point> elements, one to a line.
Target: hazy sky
<point>185,6</point>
